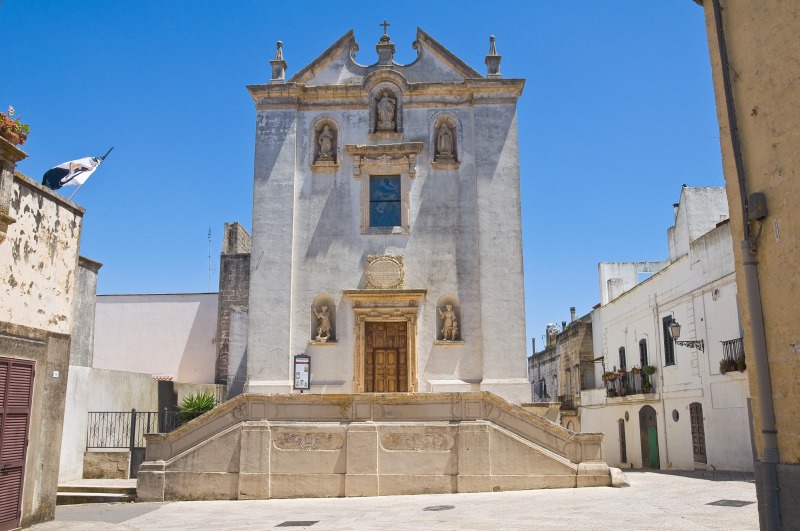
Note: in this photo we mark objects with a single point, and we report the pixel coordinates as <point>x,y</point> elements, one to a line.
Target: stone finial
<point>278,66</point>
<point>493,60</point>
<point>385,47</point>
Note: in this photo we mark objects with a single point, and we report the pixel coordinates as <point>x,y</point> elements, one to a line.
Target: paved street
<point>653,501</point>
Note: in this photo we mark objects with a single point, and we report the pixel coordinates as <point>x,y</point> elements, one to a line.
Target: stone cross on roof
<point>385,25</point>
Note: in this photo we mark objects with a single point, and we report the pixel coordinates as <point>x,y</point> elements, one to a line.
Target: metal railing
<point>732,349</point>
<point>733,358</point>
<point>112,429</point>
<point>629,384</point>
<point>126,429</point>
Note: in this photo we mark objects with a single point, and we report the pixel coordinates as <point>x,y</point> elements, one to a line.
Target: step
<point>72,498</point>
<point>107,489</point>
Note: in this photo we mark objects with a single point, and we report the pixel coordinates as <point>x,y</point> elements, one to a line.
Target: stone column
<point>9,156</point>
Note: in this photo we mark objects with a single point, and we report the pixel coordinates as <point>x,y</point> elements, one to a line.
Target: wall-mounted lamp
<point>675,332</point>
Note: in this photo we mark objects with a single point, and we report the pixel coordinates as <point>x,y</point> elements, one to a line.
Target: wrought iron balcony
<point>733,358</point>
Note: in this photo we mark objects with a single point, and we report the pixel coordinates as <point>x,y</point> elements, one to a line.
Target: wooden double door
<point>386,357</point>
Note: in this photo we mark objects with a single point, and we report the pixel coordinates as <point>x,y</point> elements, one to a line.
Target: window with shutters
<point>16,388</point>
<point>669,345</point>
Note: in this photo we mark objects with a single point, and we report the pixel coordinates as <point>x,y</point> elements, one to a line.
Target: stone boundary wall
<point>283,446</point>
<point>108,464</point>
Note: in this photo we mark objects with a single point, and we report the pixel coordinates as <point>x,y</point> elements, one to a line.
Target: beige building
<point>39,240</point>
<point>754,52</point>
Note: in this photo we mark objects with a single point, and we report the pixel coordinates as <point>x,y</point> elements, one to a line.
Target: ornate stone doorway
<point>385,357</point>
<point>385,330</point>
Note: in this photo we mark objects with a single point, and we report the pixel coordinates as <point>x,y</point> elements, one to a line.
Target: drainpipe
<point>769,433</point>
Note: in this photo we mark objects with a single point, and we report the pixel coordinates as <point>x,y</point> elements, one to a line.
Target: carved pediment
<point>385,158</point>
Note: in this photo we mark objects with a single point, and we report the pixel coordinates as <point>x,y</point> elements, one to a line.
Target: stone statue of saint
<point>324,329</point>
<point>449,324</point>
<point>444,144</point>
<point>551,332</point>
<point>326,143</point>
<point>385,110</point>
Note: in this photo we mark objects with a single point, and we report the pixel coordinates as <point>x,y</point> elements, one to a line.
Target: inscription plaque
<point>417,442</point>
<point>384,272</point>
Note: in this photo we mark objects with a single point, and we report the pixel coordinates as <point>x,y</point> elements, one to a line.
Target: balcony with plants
<point>637,381</point>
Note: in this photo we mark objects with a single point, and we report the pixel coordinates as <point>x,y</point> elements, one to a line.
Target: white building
<point>695,416</point>
<point>386,227</point>
<point>146,352</point>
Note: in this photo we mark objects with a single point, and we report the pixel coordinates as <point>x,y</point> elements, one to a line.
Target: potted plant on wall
<point>647,387</point>
<point>609,376</point>
<point>635,370</point>
<point>12,130</point>
<point>647,372</point>
<point>740,362</point>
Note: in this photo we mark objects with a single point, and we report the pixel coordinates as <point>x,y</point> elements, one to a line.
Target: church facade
<point>386,239</point>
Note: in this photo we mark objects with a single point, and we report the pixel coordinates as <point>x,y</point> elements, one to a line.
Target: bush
<point>195,405</point>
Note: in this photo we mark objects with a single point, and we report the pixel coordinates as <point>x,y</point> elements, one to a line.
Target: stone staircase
<point>305,445</point>
<point>96,491</point>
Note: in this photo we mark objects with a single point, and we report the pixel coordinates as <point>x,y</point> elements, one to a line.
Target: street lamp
<point>675,332</point>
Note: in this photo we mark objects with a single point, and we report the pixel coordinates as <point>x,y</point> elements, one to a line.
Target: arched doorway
<point>698,432</point>
<point>648,432</point>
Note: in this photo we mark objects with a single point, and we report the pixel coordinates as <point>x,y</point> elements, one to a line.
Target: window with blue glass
<point>384,201</point>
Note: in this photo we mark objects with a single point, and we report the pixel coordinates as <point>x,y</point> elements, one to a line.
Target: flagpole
<point>76,191</point>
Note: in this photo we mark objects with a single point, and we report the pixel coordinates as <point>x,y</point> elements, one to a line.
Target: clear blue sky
<point>618,111</point>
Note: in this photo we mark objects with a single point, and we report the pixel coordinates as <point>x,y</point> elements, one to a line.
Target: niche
<point>445,142</point>
<point>385,112</point>
<point>323,320</point>
<point>448,320</point>
<point>325,145</point>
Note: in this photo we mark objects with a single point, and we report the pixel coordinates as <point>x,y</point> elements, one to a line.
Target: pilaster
<point>9,156</point>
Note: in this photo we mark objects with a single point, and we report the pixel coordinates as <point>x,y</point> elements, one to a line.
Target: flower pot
<point>647,390</point>
<point>11,136</point>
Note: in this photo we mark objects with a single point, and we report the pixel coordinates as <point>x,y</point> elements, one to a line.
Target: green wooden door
<point>652,441</point>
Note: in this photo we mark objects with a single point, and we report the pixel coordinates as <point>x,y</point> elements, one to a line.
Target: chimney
<point>572,314</point>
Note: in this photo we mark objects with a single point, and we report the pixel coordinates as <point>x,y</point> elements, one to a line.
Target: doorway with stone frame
<point>385,357</point>
<point>385,331</point>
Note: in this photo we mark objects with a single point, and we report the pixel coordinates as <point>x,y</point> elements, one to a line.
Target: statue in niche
<point>449,323</point>
<point>325,144</point>
<point>324,330</point>
<point>444,143</point>
<point>385,109</point>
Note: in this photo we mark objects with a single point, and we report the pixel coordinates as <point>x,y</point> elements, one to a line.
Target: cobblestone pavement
<point>653,501</point>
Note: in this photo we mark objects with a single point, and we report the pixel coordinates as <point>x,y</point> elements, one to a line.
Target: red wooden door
<point>16,388</point>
